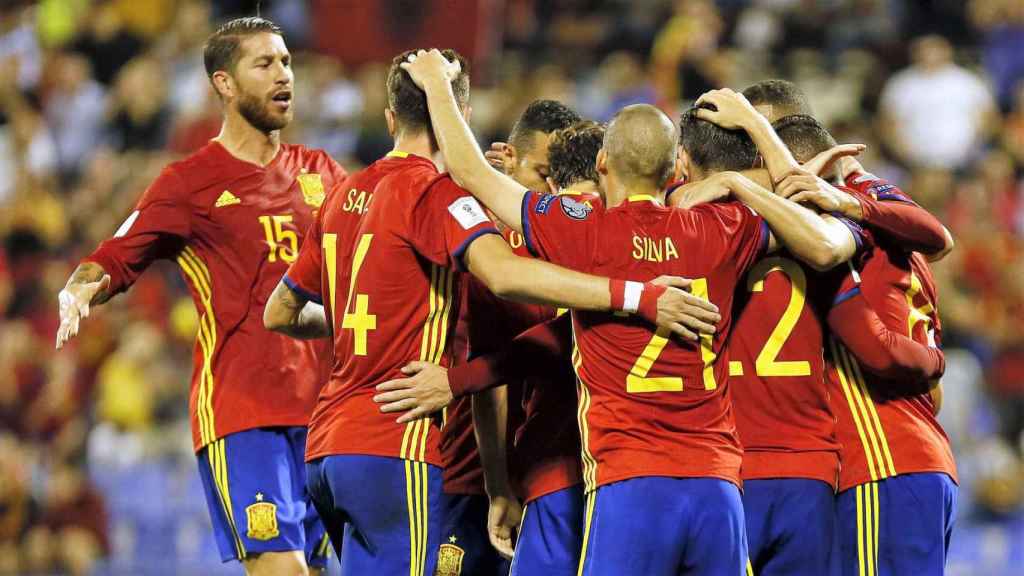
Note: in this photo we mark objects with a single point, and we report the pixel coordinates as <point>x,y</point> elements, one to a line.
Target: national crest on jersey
<point>312,189</point>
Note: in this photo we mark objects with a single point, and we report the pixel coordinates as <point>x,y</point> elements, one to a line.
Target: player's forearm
<point>86,273</point>
<point>466,163</point>
<point>777,158</point>
<point>884,352</point>
<point>290,314</point>
<point>537,282</point>
<point>909,224</point>
<point>490,424</point>
<point>807,235</point>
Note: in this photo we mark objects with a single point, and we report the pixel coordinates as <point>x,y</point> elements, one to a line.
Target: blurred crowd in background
<point>96,469</point>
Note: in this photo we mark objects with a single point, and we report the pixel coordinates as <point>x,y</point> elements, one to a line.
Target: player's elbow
<point>276,317</point>
<point>826,255</point>
<point>947,246</point>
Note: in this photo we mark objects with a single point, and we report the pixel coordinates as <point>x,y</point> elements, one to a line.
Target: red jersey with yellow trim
<point>399,305</point>
<point>651,404</point>
<point>233,227</point>
<point>882,435</point>
<point>777,369</point>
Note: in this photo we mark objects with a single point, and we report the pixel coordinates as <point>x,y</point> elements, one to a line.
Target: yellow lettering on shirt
<point>357,201</point>
<point>654,249</point>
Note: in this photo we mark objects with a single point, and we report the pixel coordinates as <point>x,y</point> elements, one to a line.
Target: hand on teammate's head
<point>835,156</point>
<point>426,65</point>
<point>731,110</point>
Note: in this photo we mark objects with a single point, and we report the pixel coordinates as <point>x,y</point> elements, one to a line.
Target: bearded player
<point>659,455</point>
<point>232,215</point>
<point>392,296</point>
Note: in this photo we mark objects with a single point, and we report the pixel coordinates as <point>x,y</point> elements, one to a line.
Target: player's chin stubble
<point>257,111</point>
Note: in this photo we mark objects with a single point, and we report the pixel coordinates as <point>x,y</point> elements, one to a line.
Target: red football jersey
<point>233,227</point>
<point>400,302</point>
<point>651,404</point>
<point>882,435</point>
<point>777,369</point>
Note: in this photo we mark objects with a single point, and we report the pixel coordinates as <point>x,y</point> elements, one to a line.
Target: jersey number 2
<point>767,363</point>
<point>638,381</point>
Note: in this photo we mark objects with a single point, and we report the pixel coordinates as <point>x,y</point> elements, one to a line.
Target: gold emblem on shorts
<point>262,519</point>
<point>449,560</point>
<point>312,189</point>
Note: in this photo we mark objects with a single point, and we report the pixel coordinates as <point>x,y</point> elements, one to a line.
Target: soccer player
<point>400,281</point>
<point>232,216</point>
<point>660,459</point>
<point>486,323</point>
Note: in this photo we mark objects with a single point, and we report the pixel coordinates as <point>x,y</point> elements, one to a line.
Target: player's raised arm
<point>463,159</point>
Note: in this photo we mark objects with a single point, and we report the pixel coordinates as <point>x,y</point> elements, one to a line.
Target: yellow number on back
<point>330,243</point>
<point>766,363</point>
<point>637,380</point>
<point>359,320</point>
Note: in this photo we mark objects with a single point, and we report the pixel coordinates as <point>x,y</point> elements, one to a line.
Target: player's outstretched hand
<point>806,188</point>
<point>73,302</point>
<point>503,517</point>
<point>427,65</point>
<point>821,163</point>
<point>732,110</point>
<point>683,313</point>
<point>424,392</point>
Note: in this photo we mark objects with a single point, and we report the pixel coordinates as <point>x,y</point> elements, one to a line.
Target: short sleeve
<point>865,241</point>
<point>304,275</point>
<point>745,231</point>
<point>447,220</point>
<point>158,228</point>
<point>559,228</point>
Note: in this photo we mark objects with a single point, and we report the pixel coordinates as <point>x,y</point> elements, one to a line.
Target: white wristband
<point>631,296</point>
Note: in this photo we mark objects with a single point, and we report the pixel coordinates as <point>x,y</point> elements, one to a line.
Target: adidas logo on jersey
<point>226,199</point>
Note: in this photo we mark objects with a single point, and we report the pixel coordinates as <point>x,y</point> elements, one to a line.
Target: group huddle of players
<point>649,347</point>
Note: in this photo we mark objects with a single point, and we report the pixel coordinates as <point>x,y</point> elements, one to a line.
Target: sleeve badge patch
<point>575,210</point>
<point>544,203</point>
<point>468,212</point>
<point>261,518</point>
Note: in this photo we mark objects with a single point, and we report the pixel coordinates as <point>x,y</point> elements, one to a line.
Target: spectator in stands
<point>935,112</point>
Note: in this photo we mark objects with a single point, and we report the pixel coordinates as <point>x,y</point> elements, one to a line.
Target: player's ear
<point>678,173</point>
<point>602,162</point>
<point>389,119</point>
<point>551,185</point>
<point>223,84</point>
<point>685,166</point>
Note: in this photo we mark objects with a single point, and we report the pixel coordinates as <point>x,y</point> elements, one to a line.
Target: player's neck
<point>584,187</point>
<point>759,176</point>
<point>617,192</point>
<point>245,142</point>
<point>419,144</point>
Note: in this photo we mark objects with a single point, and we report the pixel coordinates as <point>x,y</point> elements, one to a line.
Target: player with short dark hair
<point>525,156</point>
<point>573,154</point>
<point>659,455</point>
<point>401,283</point>
<point>776,98</point>
<point>232,216</point>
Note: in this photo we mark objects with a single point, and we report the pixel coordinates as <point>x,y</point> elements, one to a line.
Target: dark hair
<point>573,153</point>
<point>221,49</point>
<point>804,136</point>
<point>784,96</point>
<point>541,116</point>
<point>713,148</point>
<point>409,103</point>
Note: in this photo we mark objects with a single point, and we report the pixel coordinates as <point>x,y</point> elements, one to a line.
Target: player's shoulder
<point>308,156</point>
<point>729,210</point>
